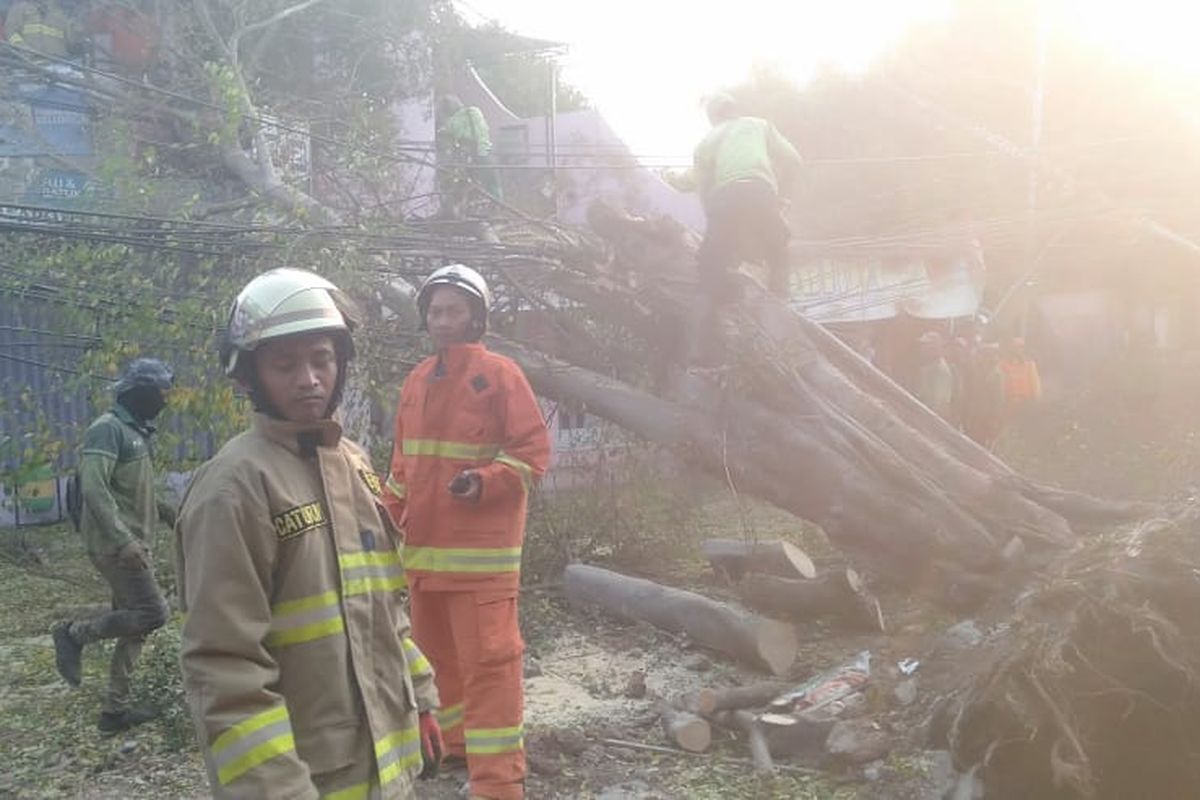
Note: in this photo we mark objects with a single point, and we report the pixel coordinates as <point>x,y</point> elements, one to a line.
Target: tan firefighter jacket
<point>297,661</point>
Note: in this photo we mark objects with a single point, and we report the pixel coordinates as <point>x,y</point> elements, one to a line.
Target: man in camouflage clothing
<point>117,519</point>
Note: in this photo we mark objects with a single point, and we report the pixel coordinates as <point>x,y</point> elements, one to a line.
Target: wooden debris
<point>765,643</point>
<point>733,558</point>
<point>839,593</point>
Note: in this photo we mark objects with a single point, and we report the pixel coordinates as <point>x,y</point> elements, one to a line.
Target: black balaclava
<point>143,402</point>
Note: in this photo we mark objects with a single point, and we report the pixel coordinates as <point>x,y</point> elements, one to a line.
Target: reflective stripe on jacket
<point>466,408</point>
<point>296,659</point>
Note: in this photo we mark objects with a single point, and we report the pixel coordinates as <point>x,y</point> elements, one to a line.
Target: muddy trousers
<point>473,641</point>
<point>138,608</point>
<point>743,224</point>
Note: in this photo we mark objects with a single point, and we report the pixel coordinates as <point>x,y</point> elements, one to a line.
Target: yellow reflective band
<point>375,558</point>
<point>302,604</point>
<point>396,487</point>
<point>442,449</point>
<point>251,742</point>
<point>418,664</point>
<point>359,791</point>
<point>396,752</point>
<point>249,726</point>
<point>463,559</point>
<point>306,633</point>
<point>451,717</point>
<point>522,469</point>
<point>366,585</point>
<point>489,741</point>
<point>284,743</point>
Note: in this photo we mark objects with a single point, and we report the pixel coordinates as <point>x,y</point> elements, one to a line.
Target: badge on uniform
<point>371,480</point>
<point>479,384</point>
<point>301,519</point>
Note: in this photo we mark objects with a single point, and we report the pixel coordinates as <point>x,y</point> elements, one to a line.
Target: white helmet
<point>284,302</point>
<point>460,277</point>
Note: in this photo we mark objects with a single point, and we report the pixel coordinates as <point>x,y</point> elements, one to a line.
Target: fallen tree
<point>797,419</point>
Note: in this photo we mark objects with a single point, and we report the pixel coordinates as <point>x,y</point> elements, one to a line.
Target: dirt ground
<point>1111,439</point>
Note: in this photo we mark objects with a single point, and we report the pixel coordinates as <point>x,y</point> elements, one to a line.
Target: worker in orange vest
<point>1022,384</point>
<point>470,443</point>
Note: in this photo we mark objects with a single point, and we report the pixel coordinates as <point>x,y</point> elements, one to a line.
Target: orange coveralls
<point>468,408</point>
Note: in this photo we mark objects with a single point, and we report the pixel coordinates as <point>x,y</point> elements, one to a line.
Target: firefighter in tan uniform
<point>297,661</point>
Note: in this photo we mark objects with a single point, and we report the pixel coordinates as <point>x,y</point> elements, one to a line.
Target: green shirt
<point>116,482</point>
<point>745,148</point>
<point>466,128</point>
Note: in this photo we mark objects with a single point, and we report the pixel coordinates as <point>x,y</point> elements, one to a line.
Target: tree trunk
<point>797,418</point>
<point>838,593</point>
<point>763,643</point>
<point>734,558</point>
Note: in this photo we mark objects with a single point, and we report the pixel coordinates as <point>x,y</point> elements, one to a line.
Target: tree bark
<point>734,558</point>
<point>753,695</point>
<point>763,643</point>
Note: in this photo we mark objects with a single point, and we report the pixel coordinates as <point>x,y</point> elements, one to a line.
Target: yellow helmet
<point>284,302</point>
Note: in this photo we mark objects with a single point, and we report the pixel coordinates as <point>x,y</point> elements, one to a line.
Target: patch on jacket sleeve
<point>479,384</point>
<point>371,480</point>
<point>298,520</point>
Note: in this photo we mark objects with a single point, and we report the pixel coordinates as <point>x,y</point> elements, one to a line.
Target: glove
<point>432,744</point>
<point>467,485</point>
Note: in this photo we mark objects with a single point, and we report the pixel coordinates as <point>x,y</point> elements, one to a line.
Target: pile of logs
<point>687,722</point>
<point>773,578</point>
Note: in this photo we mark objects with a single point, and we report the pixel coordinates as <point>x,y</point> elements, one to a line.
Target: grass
<point>48,729</point>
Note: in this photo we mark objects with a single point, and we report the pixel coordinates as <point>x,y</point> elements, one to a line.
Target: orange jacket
<point>1021,379</point>
<point>465,408</point>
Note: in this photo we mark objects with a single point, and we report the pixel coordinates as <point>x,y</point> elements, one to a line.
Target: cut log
<point>733,558</point>
<point>744,721</point>
<point>754,695</point>
<point>763,643</point>
<point>838,593</point>
<point>685,730</point>
<point>701,701</point>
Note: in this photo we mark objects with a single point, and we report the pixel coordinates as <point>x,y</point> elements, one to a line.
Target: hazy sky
<point>647,64</point>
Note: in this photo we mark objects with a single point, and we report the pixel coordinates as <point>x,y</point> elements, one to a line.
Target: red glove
<point>432,744</point>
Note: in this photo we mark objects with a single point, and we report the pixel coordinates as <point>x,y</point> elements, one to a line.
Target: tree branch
<point>235,40</point>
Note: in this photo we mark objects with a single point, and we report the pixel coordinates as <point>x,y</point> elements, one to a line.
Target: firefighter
<point>117,513</point>
<point>297,661</point>
<point>470,443</point>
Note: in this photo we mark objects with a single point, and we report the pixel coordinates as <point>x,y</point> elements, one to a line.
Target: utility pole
<point>1041,45</point>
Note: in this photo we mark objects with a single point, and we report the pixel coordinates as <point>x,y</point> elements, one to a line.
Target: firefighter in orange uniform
<point>470,443</point>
